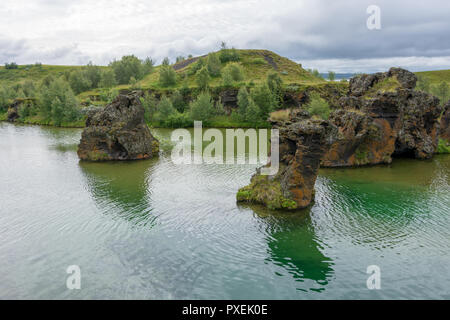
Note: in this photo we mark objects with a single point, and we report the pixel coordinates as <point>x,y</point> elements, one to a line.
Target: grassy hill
<point>32,72</point>
<point>435,77</point>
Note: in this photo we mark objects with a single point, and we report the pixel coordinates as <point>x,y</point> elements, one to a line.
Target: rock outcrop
<point>445,122</point>
<point>384,116</point>
<point>117,132</point>
<point>303,142</point>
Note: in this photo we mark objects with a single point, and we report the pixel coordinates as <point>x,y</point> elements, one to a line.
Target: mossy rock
<point>265,191</point>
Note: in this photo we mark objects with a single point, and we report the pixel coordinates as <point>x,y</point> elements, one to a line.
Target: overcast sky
<point>323,34</point>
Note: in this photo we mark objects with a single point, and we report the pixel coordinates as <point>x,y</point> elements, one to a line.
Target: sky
<point>322,34</point>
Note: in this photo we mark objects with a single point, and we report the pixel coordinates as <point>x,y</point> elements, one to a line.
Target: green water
<point>155,230</point>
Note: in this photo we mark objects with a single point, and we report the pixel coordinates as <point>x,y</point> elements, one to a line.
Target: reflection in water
<point>122,187</point>
<point>292,244</point>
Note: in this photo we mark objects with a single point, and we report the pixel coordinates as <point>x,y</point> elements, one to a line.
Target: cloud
<point>318,33</point>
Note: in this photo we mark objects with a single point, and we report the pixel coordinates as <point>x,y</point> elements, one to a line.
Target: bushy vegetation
<point>213,65</point>
<point>202,108</point>
<point>131,66</point>
<point>318,107</point>
<point>440,89</point>
<point>167,76</point>
<point>203,78</point>
<point>11,66</point>
<point>232,73</point>
<point>228,55</point>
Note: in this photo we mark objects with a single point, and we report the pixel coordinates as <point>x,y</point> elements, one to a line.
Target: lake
<point>155,230</point>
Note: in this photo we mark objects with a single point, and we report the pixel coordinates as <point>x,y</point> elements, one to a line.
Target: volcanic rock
<point>117,132</point>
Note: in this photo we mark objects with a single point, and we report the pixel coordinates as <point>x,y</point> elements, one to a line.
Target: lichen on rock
<point>117,132</point>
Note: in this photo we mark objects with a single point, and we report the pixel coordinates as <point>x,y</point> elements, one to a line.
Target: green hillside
<point>436,77</point>
<point>32,72</point>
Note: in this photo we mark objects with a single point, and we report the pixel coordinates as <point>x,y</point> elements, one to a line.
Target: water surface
<point>154,230</point>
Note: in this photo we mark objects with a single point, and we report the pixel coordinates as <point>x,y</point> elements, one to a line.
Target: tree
<point>253,113</point>
<point>180,58</point>
<point>57,111</point>
<point>93,73</point>
<point>127,67</point>
<point>178,101</point>
<point>264,99</point>
<point>213,65</point>
<point>166,61</point>
<point>148,66</point>
<point>275,84</point>
<point>236,71</point>
<point>202,109</point>
<point>202,78</point>
<point>108,79</point>
<point>150,103</point>
<point>79,82</point>
<point>243,102</point>
<point>167,76</point>
<point>165,108</point>
<point>331,75</point>
<point>58,88</point>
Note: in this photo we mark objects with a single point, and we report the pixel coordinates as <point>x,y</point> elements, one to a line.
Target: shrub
<point>11,66</point>
<point>236,71</point>
<point>213,65</point>
<point>227,78</point>
<point>259,61</point>
<point>166,61</point>
<point>180,58</point>
<point>178,120</point>
<point>318,107</point>
<point>195,67</point>
<point>202,78</point>
<point>202,108</point>
<point>228,55</point>
<point>167,76</point>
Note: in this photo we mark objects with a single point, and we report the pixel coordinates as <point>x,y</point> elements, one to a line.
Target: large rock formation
<point>445,122</point>
<point>383,116</point>
<point>117,132</point>
<point>303,142</point>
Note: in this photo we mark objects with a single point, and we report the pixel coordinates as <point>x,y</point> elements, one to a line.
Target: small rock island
<point>118,132</point>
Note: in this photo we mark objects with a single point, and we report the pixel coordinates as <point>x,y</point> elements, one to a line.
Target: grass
<point>444,146</point>
<point>32,72</point>
<point>436,77</point>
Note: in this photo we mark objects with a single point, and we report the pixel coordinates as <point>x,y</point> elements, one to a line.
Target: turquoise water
<point>154,230</point>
